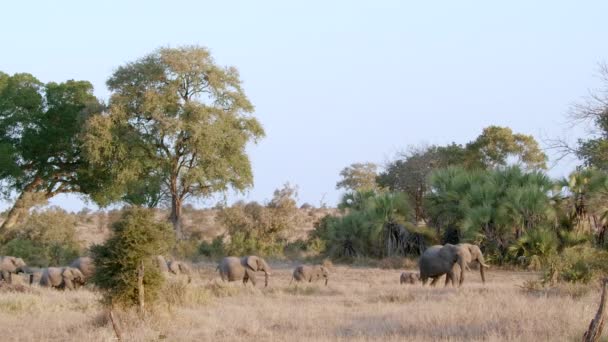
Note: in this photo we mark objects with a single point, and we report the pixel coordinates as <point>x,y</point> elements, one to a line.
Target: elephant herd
<point>436,261</point>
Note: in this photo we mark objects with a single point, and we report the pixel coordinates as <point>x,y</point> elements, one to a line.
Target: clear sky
<point>337,82</point>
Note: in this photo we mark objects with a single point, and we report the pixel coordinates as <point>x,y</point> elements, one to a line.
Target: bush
<point>534,248</point>
<point>46,238</point>
<point>215,249</point>
<point>577,264</point>
<point>137,239</point>
<point>257,229</point>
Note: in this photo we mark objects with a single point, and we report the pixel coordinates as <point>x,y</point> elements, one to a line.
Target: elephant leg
<point>448,280</point>
<point>435,279</point>
<point>250,275</point>
<point>424,280</point>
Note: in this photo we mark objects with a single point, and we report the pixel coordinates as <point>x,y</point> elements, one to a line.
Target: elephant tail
<point>291,281</point>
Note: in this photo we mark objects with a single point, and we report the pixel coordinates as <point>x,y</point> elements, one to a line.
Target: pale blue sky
<point>337,82</point>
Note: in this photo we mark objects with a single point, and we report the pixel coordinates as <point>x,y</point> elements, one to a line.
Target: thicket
<point>46,238</point>
<point>372,225</point>
<point>252,228</point>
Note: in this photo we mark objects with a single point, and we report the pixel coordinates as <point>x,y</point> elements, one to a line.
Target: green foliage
<point>47,238</point>
<point>577,264</point>
<point>494,207</point>
<point>358,177</point>
<point>374,225</point>
<point>534,248</point>
<point>254,228</point>
<point>40,139</point>
<point>409,174</point>
<point>497,145</point>
<point>178,121</point>
<point>137,238</point>
<point>215,249</point>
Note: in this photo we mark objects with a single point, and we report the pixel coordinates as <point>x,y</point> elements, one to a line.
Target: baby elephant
<point>310,273</point>
<point>409,278</point>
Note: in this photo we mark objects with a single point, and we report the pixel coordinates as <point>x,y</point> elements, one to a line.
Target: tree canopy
<point>40,139</point>
<point>178,125</point>
<point>358,177</point>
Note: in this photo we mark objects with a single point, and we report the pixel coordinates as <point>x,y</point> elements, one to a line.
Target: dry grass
<point>360,304</point>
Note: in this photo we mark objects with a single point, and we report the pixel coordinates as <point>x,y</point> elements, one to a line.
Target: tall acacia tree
<point>40,140</point>
<point>175,115</point>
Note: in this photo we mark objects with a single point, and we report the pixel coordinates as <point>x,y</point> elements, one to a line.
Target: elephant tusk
<point>485,265</point>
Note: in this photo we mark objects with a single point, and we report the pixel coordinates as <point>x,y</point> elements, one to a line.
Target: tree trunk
<point>176,216</point>
<point>140,286</point>
<point>594,332</point>
<point>26,200</point>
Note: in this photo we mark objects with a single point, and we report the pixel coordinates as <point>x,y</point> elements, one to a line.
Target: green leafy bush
<point>137,239</point>
<point>577,264</point>
<point>46,238</point>
<point>534,248</point>
<point>373,225</point>
<point>260,229</point>
<point>215,249</point>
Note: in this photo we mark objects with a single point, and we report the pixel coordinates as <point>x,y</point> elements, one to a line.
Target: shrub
<point>137,239</point>
<point>46,238</point>
<point>534,248</point>
<point>214,249</point>
<point>257,229</point>
<point>577,264</point>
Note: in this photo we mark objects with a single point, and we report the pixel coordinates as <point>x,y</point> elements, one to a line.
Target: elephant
<point>62,278</point>
<point>85,265</point>
<point>10,265</point>
<point>179,267</point>
<point>234,268</point>
<point>471,253</point>
<point>310,273</point>
<point>409,278</point>
<point>33,274</point>
<point>439,260</point>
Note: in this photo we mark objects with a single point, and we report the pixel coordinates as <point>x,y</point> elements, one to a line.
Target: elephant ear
<point>253,262</point>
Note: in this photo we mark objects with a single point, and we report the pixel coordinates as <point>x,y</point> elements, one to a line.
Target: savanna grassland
<point>359,304</point>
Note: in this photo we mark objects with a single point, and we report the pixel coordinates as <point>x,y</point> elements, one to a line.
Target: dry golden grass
<point>360,304</point>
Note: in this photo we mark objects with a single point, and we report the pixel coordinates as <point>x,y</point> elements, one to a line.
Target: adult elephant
<point>471,253</point>
<point>85,265</point>
<point>233,269</point>
<point>310,273</point>
<point>62,278</point>
<point>10,265</point>
<point>439,260</point>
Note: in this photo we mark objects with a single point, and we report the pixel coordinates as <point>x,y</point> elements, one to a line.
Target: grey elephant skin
<point>175,266</point>
<point>471,253</point>
<point>86,266</point>
<point>305,273</point>
<point>234,269</point>
<point>180,267</point>
<point>409,278</point>
<point>439,260</point>
<point>10,265</point>
<point>61,278</point>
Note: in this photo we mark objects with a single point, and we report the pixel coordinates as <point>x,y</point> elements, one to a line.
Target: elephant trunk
<point>266,274</point>
<point>326,280</point>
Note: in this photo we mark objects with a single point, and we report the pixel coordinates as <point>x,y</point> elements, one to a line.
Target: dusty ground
<point>360,304</point>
